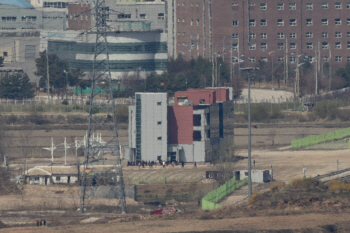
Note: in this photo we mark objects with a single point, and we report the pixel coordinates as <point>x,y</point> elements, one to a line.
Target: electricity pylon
<point>101,82</point>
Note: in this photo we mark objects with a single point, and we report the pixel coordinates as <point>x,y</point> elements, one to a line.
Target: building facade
<point>198,123</point>
<point>148,127</point>
<point>279,30</point>
<point>129,51</point>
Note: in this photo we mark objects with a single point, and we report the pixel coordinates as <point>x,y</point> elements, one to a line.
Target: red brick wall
<point>222,94</point>
<point>180,124</point>
<point>195,95</point>
<point>83,19</point>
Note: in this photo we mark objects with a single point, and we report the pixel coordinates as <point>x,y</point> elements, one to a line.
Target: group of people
<point>41,223</point>
<point>150,164</point>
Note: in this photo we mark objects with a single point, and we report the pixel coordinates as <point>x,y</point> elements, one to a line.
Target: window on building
<point>280,35</point>
<point>348,5</point>
<point>293,35</point>
<point>251,59</point>
<point>9,19</point>
<point>309,46</point>
<point>337,21</point>
<point>308,22</point>
<point>292,6</point>
<point>235,46</point>
<point>235,36</point>
<point>309,6</point>
<point>58,178</point>
<point>280,59</point>
<point>36,178</point>
<point>263,22</point>
<point>159,103</point>
<point>252,22</point>
<point>197,22</point>
<point>280,46</point>
<point>338,45</point>
<point>309,35</point>
<point>263,46</point>
<point>183,20</point>
<point>348,59</point>
<point>337,34</point>
<point>235,23</point>
<point>201,101</point>
<point>263,35</point>
<point>280,6</point>
<point>252,35</point>
<point>324,45</point>
<point>293,22</point>
<point>293,46</point>
<point>324,34</point>
<point>263,6</point>
<point>324,21</point>
<point>338,58</point>
<point>325,58</point>
<point>159,138</point>
<point>191,22</point>
<point>348,45</point>
<point>310,58</point>
<point>234,4</point>
<point>280,22</point>
<point>348,21</point>
<point>30,52</point>
<point>338,5</point>
<point>28,18</point>
<point>124,16</point>
<point>348,34</point>
<point>142,16</point>
<point>251,4</point>
<point>159,122</point>
<point>264,59</point>
<point>324,5</point>
<point>5,54</point>
<point>292,59</point>
<point>252,46</point>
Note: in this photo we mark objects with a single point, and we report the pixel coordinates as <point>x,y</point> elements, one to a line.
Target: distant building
<point>199,121</point>
<point>129,51</point>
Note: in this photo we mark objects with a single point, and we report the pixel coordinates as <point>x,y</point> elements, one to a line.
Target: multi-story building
<point>279,30</point>
<point>197,124</point>
<point>129,51</point>
<point>148,127</point>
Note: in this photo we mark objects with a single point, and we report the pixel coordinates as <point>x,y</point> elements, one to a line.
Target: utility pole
<point>287,70</point>
<point>47,72</point>
<point>248,69</point>
<point>330,69</point>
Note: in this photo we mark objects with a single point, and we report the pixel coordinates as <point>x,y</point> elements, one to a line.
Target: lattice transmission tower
<point>101,81</point>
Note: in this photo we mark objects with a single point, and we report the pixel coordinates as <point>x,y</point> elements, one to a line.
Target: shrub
<point>12,119</point>
<point>277,186</point>
<point>326,108</point>
<point>65,102</point>
<point>76,107</point>
<point>94,110</point>
<point>262,112</point>
<point>337,185</point>
<point>254,198</point>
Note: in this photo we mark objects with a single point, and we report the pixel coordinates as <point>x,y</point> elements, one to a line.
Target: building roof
<point>67,170</point>
<point>18,3</point>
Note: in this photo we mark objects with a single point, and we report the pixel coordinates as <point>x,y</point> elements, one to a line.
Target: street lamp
<point>248,69</point>
<point>218,84</point>
<point>66,82</point>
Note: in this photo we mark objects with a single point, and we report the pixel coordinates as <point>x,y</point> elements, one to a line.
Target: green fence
<point>209,202</point>
<point>321,138</point>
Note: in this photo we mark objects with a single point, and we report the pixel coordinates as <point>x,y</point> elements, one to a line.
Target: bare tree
<point>25,141</point>
<point>224,159</point>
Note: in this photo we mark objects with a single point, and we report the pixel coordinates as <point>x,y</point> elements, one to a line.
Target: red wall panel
<point>180,124</point>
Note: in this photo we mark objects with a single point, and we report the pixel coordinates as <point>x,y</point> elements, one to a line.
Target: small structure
<point>258,176</point>
<point>309,107</point>
<point>46,175</point>
<point>6,160</point>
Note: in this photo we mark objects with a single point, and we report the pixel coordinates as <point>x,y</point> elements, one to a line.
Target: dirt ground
<point>259,95</point>
<point>298,222</point>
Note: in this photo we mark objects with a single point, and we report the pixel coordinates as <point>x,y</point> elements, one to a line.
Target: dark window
<point>159,123</point>
<point>5,54</point>
<point>197,120</point>
<point>159,103</point>
<point>58,178</point>
<point>159,138</point>
<point>197,136</point>
<point>202,101</point>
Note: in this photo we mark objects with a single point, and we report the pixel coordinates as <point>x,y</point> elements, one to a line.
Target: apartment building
<point>279,30</point>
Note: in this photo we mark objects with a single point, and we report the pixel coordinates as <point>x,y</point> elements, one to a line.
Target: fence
<point>209,202</point>
<point>321,138</point>
<point>282,106</point>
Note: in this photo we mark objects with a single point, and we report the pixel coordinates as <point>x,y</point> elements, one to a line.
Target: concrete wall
<point>64,179</point>
<point>258,176</point>
<point>154,137</point>
<point>19,47</point>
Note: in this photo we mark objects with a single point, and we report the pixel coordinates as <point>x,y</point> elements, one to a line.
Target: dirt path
<point>310,221</point>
